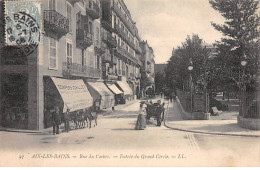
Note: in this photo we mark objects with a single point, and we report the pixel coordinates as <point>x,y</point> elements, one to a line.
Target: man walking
<point>56,120</point>
<point>66,120</point>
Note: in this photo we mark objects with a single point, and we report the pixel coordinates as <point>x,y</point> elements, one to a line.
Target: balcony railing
<point>107,58</point>
<point>77,70</point>
<point>112,77</point>
<point>109,39</point>
<point>124,36</point>
<point>138,48</point>
<point>124,53</point>
<point>55,23</point>
<point>83,39</point>
<point>100,48</point>
<point>107,25</point>
<point>124,19</point>
<point>93,10</point>
<point>73,1</point>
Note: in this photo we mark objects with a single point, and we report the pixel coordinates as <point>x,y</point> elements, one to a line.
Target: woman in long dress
<point>141,121</point>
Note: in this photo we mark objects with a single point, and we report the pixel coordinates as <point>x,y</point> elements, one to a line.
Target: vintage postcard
<point>129,83</point>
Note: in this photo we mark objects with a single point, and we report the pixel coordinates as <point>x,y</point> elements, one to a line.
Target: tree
<point>241,39</point>
<point>159,82</point>
<point>177,73</point>
<point>240,42</point>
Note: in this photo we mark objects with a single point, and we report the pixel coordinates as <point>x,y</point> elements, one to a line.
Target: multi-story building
<point>88,40</point>
<point>124,51</point>
<point>70,48</point>
<point>148,62</point>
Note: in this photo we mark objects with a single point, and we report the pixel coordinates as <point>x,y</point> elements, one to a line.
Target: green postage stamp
<point>23,23</point>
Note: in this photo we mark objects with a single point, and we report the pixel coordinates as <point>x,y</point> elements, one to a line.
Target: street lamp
<point>190,68</point>
<point>243,86</point>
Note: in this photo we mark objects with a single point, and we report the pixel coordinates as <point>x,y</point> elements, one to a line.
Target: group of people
<point>142,116</point>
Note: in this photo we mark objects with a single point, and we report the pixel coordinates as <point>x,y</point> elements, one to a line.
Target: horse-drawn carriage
<point>155,110</point>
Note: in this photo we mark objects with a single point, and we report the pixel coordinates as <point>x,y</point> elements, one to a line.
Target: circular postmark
<point>22,21</point>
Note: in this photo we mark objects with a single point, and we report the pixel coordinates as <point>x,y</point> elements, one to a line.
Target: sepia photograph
<point>129,83</point>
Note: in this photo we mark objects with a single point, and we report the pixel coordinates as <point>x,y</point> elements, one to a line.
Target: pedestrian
<point>141,122</point>
<point>56,120</point>
<point>66,118</point>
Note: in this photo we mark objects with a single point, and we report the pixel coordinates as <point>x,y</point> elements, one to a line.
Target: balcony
<point>112,77</point>
<point>100,48</point>
<point>93,10</point>
<point>77,70</point>
<point>138,49</point>
<point>124,35</point>
<point>106,58</point>
<point>83,39</point>
<point>107,26</point>
<point>73,1</point>
<point>55,23</point>
<point>114,61</point>
<point>123,53</point>
<point>109,39</point>
<point>124,19</point>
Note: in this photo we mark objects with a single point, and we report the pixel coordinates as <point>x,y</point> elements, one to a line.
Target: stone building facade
<point>91,40</point>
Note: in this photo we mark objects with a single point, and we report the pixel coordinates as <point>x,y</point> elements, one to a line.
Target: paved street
<point>115,132</point>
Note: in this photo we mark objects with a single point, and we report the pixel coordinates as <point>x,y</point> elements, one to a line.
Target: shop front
<point>123,86</point>
<point>118,93</point>
<point>102,96</point>
<point>65,94</point>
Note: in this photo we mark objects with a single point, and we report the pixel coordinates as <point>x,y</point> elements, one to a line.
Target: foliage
<point>240,41</point>
<point>159,82</point>
<point>144,82</point>
<point>177,73</point>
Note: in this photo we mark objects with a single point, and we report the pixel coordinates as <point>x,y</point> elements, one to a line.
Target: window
<point>69,55</point>
<point>69,15</point>
<point>97,37</point>
<point>53,54</point>
<point>90,27</point>
<point>52,4</point>
<point>78,20</point>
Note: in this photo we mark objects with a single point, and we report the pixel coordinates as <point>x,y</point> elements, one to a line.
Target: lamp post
<point>190,68</point>
<point>243,86</point>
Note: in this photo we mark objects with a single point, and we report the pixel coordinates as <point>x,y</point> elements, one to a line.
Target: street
<point>115,135</point>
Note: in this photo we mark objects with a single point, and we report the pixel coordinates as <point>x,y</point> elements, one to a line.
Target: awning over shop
<point>125,87</point>
<point>114,89</point>
<point>74,93</point>
<point>99,91</point>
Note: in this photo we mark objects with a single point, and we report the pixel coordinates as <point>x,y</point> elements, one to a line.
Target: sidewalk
<point>225,124</point>
<point>49,130</point>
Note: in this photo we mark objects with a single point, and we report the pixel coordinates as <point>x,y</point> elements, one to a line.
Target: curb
<point>201,132</point>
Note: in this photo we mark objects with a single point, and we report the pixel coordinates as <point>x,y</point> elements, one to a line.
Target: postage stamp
<point>23,23</point>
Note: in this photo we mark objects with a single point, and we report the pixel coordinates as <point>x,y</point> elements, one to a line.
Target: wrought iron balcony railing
<point>78,70</point>
<point>55,23</point>
<point>83,39</point>
<point>109,39</point>
<point>93,10</point>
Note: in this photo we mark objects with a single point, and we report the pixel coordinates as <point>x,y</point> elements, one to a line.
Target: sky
<point>165,24</point>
